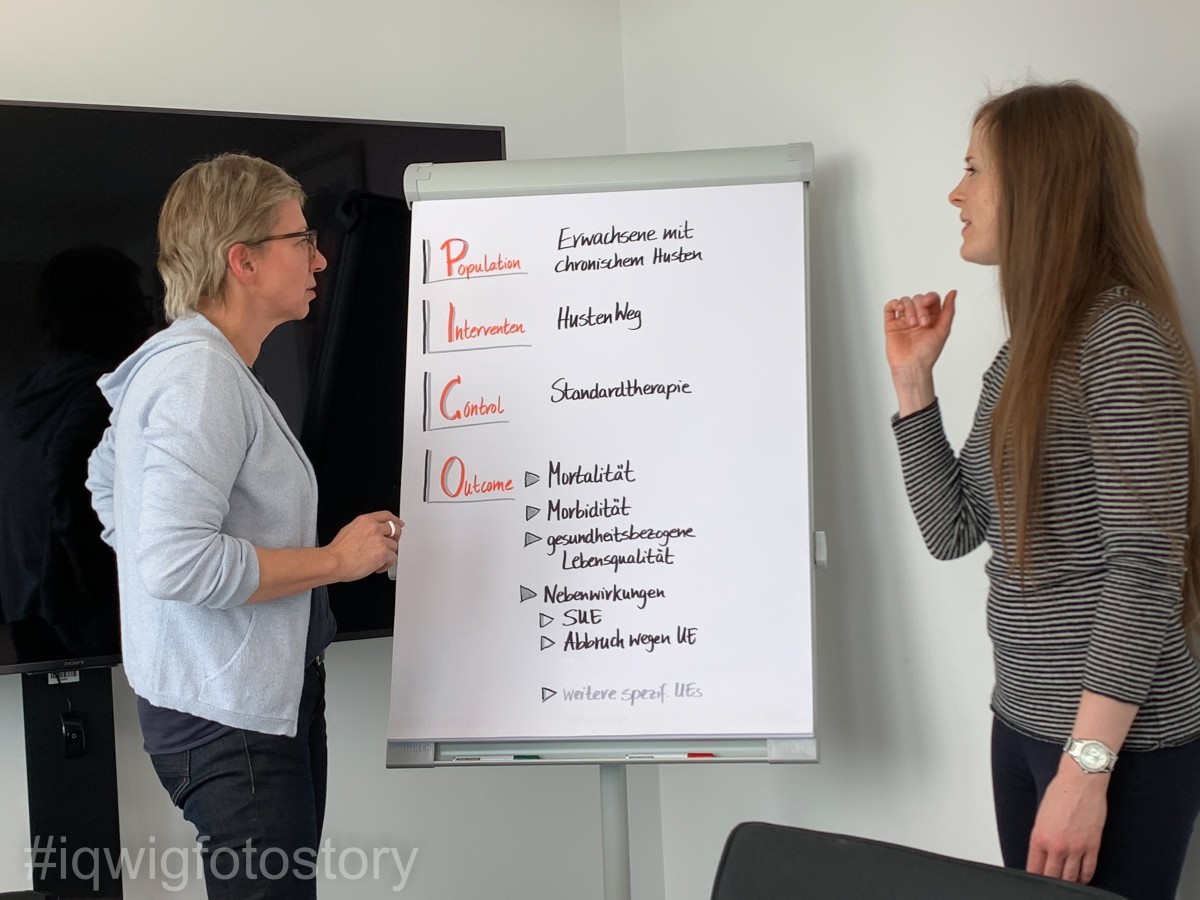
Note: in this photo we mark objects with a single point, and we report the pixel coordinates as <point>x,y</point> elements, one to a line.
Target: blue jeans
<point>1153,801</point>
<point>258,803</point>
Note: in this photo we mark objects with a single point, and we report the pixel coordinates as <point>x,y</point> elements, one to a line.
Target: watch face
<point>1093,756</point>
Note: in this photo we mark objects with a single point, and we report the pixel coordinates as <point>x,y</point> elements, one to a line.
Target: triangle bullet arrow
<point>530,512</point>
<point>547,693</point>
<point>530,478</point>
<point>546,643</point>
<point>527,594</point>
<point>544,620</point>
<point>531,539</point>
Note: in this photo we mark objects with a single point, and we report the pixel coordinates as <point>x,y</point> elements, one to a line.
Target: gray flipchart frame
<point>593,174</point>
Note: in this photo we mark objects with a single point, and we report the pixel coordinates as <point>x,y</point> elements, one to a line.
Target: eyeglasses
<point>310,237</point>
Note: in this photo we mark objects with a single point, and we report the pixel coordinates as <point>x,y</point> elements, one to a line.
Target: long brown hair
<point>1072,223</point>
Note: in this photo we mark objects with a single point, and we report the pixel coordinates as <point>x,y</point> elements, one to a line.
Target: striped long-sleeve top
<point>1099,606</point>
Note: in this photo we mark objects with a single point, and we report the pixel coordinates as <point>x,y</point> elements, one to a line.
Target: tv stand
<point>71,764</point>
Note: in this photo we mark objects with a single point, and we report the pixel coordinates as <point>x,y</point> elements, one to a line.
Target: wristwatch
<point>1094,757</point>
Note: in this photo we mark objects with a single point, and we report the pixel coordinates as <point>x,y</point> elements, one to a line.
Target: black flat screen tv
<point>80,191</point>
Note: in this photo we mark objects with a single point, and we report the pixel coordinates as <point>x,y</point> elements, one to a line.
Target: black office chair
<point>779,862</point>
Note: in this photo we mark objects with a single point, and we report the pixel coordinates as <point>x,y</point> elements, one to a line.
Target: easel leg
<point>614,831</point>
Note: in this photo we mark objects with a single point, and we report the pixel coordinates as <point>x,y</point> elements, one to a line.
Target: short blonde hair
<point>212,206</point>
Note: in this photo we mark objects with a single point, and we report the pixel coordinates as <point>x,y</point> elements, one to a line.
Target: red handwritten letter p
<point>449,246</point>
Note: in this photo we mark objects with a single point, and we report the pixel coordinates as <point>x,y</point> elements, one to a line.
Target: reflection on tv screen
<point>80,190</point>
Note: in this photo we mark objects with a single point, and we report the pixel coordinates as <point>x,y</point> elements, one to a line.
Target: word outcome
<point>455,481</point>
<point>560,390</point>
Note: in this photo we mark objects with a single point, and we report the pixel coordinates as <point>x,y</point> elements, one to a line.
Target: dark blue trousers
<point>1153,801</point>
<point>258,803</point>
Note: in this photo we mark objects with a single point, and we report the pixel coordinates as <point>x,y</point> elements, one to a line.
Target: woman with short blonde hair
<point>215,204</point>
<point>211,505</point>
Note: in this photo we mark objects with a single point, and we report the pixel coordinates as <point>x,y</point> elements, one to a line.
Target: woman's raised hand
<point>915,329</point>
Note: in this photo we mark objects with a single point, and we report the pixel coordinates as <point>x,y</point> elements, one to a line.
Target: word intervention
<point>465,331</point>
<point>622,312</point>
<point>553,593</point>
<point>639,557</point>
<point>456,252</point>
<point>594,475</point>
<point>617,534</point>
<point>561,390</point>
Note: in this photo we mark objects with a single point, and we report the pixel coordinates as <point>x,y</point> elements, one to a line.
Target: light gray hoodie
<point>196,468</point>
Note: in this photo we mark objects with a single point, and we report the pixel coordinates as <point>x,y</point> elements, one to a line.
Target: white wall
<point>550,72</point>
<point>885,91</point>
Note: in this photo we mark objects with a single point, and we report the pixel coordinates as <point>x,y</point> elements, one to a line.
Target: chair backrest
<point>780,862</point>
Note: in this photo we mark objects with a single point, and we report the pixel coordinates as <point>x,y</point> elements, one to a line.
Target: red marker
<point>670,755</point>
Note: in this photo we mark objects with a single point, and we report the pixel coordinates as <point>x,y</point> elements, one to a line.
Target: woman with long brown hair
<point>1080,471</point>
